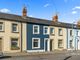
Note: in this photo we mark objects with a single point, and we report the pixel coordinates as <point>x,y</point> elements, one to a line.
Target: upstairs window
<point>35,29</point>
<point>45,30</point>
<point>60,32</point>
<point>14,27</point>
<point>1,26</point>
<point>77,33</point>
<point>52,31</point>
<point>70,32</point>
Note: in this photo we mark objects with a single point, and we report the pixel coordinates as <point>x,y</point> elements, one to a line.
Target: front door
<point>0,44</point>
<point>51,41</point>
<point>46,45</point>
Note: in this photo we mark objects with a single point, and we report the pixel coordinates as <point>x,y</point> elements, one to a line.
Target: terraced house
<point>24,33</point>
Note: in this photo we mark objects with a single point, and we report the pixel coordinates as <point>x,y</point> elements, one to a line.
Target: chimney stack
<point>78,23</point>
<point>24,11</point>
<point>55,18</point>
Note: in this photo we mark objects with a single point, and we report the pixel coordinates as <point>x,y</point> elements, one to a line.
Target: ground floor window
<point>70,44</point>
<point>14,44</point>
<point>60,43</point>
<point>36,43</point>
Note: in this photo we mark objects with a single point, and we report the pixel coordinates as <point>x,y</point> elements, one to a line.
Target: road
<point>45,57</point>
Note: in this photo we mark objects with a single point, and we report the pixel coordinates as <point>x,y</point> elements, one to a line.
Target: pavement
<point>34,53</point>
<point>56,55</point>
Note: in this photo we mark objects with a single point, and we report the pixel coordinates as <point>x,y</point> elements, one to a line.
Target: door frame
<point>48,44</point>
<point>52,44</point>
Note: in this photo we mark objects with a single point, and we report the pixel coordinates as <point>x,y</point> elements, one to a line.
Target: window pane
<point>60,44</point>
<point>35,44</point>
<point>1,26</point>
<point>70,32</point>
<point>46,30</point>
<point>14,42</point>
<point>70,44</point>
<point>52,31</point>
<point>14,27</point>
<point>60,31</point>
<point>35,29</point>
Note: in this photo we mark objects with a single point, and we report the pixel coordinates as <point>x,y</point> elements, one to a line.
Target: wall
<point>7,35</point>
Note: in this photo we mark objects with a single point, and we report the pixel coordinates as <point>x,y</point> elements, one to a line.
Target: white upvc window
<point>52,31</point>
<point>35,29</point>
<point>60,32</point>
<point>15,27</point>
<point>1,26</point>
<point>45,30</point>
<point>60,43</point>
<point>70,43</point>
<point>35,43</point>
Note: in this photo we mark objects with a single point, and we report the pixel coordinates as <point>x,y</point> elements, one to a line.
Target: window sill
<point>35,47</point>
<point>1,31</point>
<point>52,34</point>
<point>15,48</point>
<point>46,34</point>
<point>60,35</point>
<point>14,32</point>
<point>60,47</point>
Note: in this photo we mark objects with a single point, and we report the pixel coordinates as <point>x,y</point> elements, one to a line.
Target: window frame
<point>59,32</point>
<point>53,32</point>
<point>59,44</point>
<point>17,46</point>
<point>33,43</point>
<point>38,29</point>
<point>2,24</point>
<point>44,30</point>
<point>16,26</point>
<point>71,43</point>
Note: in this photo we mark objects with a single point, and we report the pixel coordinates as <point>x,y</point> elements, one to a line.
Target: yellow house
<point>12,36</point>
<point>58,35</point>
<point>58,38</point>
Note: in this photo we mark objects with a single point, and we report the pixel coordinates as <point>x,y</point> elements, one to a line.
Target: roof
<point>27,19</point>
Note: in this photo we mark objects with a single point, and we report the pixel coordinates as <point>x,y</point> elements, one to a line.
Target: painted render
<point>75,38</point>
<point>30,35</point>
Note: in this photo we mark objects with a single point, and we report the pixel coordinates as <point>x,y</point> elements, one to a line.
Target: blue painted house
<point>37,37</point>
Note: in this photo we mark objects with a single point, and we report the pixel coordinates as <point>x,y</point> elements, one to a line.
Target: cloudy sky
<point>68,10</point>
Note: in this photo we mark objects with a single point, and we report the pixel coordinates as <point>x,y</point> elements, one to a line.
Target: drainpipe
<point>21,37</point>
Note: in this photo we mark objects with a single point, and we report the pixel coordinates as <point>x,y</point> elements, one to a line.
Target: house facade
<point>58,38</point>
<point>37,37</point>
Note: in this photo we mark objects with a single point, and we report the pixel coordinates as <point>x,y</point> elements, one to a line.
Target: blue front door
<point>46,45</point>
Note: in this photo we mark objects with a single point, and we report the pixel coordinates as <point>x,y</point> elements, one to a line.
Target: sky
<point>67,10</point>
